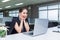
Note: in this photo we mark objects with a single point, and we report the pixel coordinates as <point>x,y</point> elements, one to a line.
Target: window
<point>53,15</point>
<point>43,8</point>
<point>1,15</point>
<point>59,5</point>
<point>43,14</point>
<point>59,15</point>
<point>49,12</point>
<point>14,13</point>
<point>52,6</point>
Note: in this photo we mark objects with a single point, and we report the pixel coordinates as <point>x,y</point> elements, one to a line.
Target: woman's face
<point>23,14</point>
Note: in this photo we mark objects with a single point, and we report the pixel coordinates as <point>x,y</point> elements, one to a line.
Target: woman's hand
<point>26,26</point>
<point>24,21</point>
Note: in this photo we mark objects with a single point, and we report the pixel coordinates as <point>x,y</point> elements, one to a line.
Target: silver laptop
<point>40,27</point>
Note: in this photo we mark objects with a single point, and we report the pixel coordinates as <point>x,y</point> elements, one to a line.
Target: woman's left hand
<point>24,20</point>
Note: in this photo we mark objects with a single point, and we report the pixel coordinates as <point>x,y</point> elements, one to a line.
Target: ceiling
<point>25,2</point>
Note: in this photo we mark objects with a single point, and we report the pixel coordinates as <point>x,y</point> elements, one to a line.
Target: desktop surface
<point>50,35</point>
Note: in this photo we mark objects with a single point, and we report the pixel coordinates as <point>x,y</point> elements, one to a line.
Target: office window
<point>53,15</point>
<point>59,5</point>
<point>43,14</point>
<point>53,6</point>
<point>43,8</point>
<point>59,15</point>
<point>1,15</point>
<point>13,13</point>
<point>49,12</point>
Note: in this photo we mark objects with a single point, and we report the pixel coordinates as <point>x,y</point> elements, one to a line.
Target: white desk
<point>48,36</point>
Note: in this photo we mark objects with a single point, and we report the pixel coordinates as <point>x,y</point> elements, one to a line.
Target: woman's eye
<point>24,13</point>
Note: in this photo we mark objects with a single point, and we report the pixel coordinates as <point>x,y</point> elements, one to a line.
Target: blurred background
<point>43,9</point>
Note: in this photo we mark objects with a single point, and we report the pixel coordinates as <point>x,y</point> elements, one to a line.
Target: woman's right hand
<point>22,20</point>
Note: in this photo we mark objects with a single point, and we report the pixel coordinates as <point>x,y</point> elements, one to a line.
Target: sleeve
<point>13,22</point>
<point>12,26</point>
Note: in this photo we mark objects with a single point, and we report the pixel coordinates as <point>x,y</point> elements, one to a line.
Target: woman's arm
<point>18,28</point>
<point>26,26</point>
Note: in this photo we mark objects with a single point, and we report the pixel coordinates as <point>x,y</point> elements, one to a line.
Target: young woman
<point>20,23</point>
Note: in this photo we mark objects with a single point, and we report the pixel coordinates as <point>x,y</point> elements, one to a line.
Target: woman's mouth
<point>24,17</point>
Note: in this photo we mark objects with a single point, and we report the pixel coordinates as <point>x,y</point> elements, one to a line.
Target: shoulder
<point>15,19</point>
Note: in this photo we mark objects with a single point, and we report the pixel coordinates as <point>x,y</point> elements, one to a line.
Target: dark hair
<point>21,9</point>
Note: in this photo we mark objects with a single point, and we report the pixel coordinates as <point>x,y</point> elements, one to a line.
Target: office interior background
<point>43,9</point>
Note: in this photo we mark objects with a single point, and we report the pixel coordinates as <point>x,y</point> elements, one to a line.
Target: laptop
<point>40,27</point>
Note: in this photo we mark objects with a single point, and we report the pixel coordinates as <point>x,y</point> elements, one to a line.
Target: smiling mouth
<point>24,17</point>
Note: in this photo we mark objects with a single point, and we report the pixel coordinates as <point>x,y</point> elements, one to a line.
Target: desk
<point>50,35</point>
